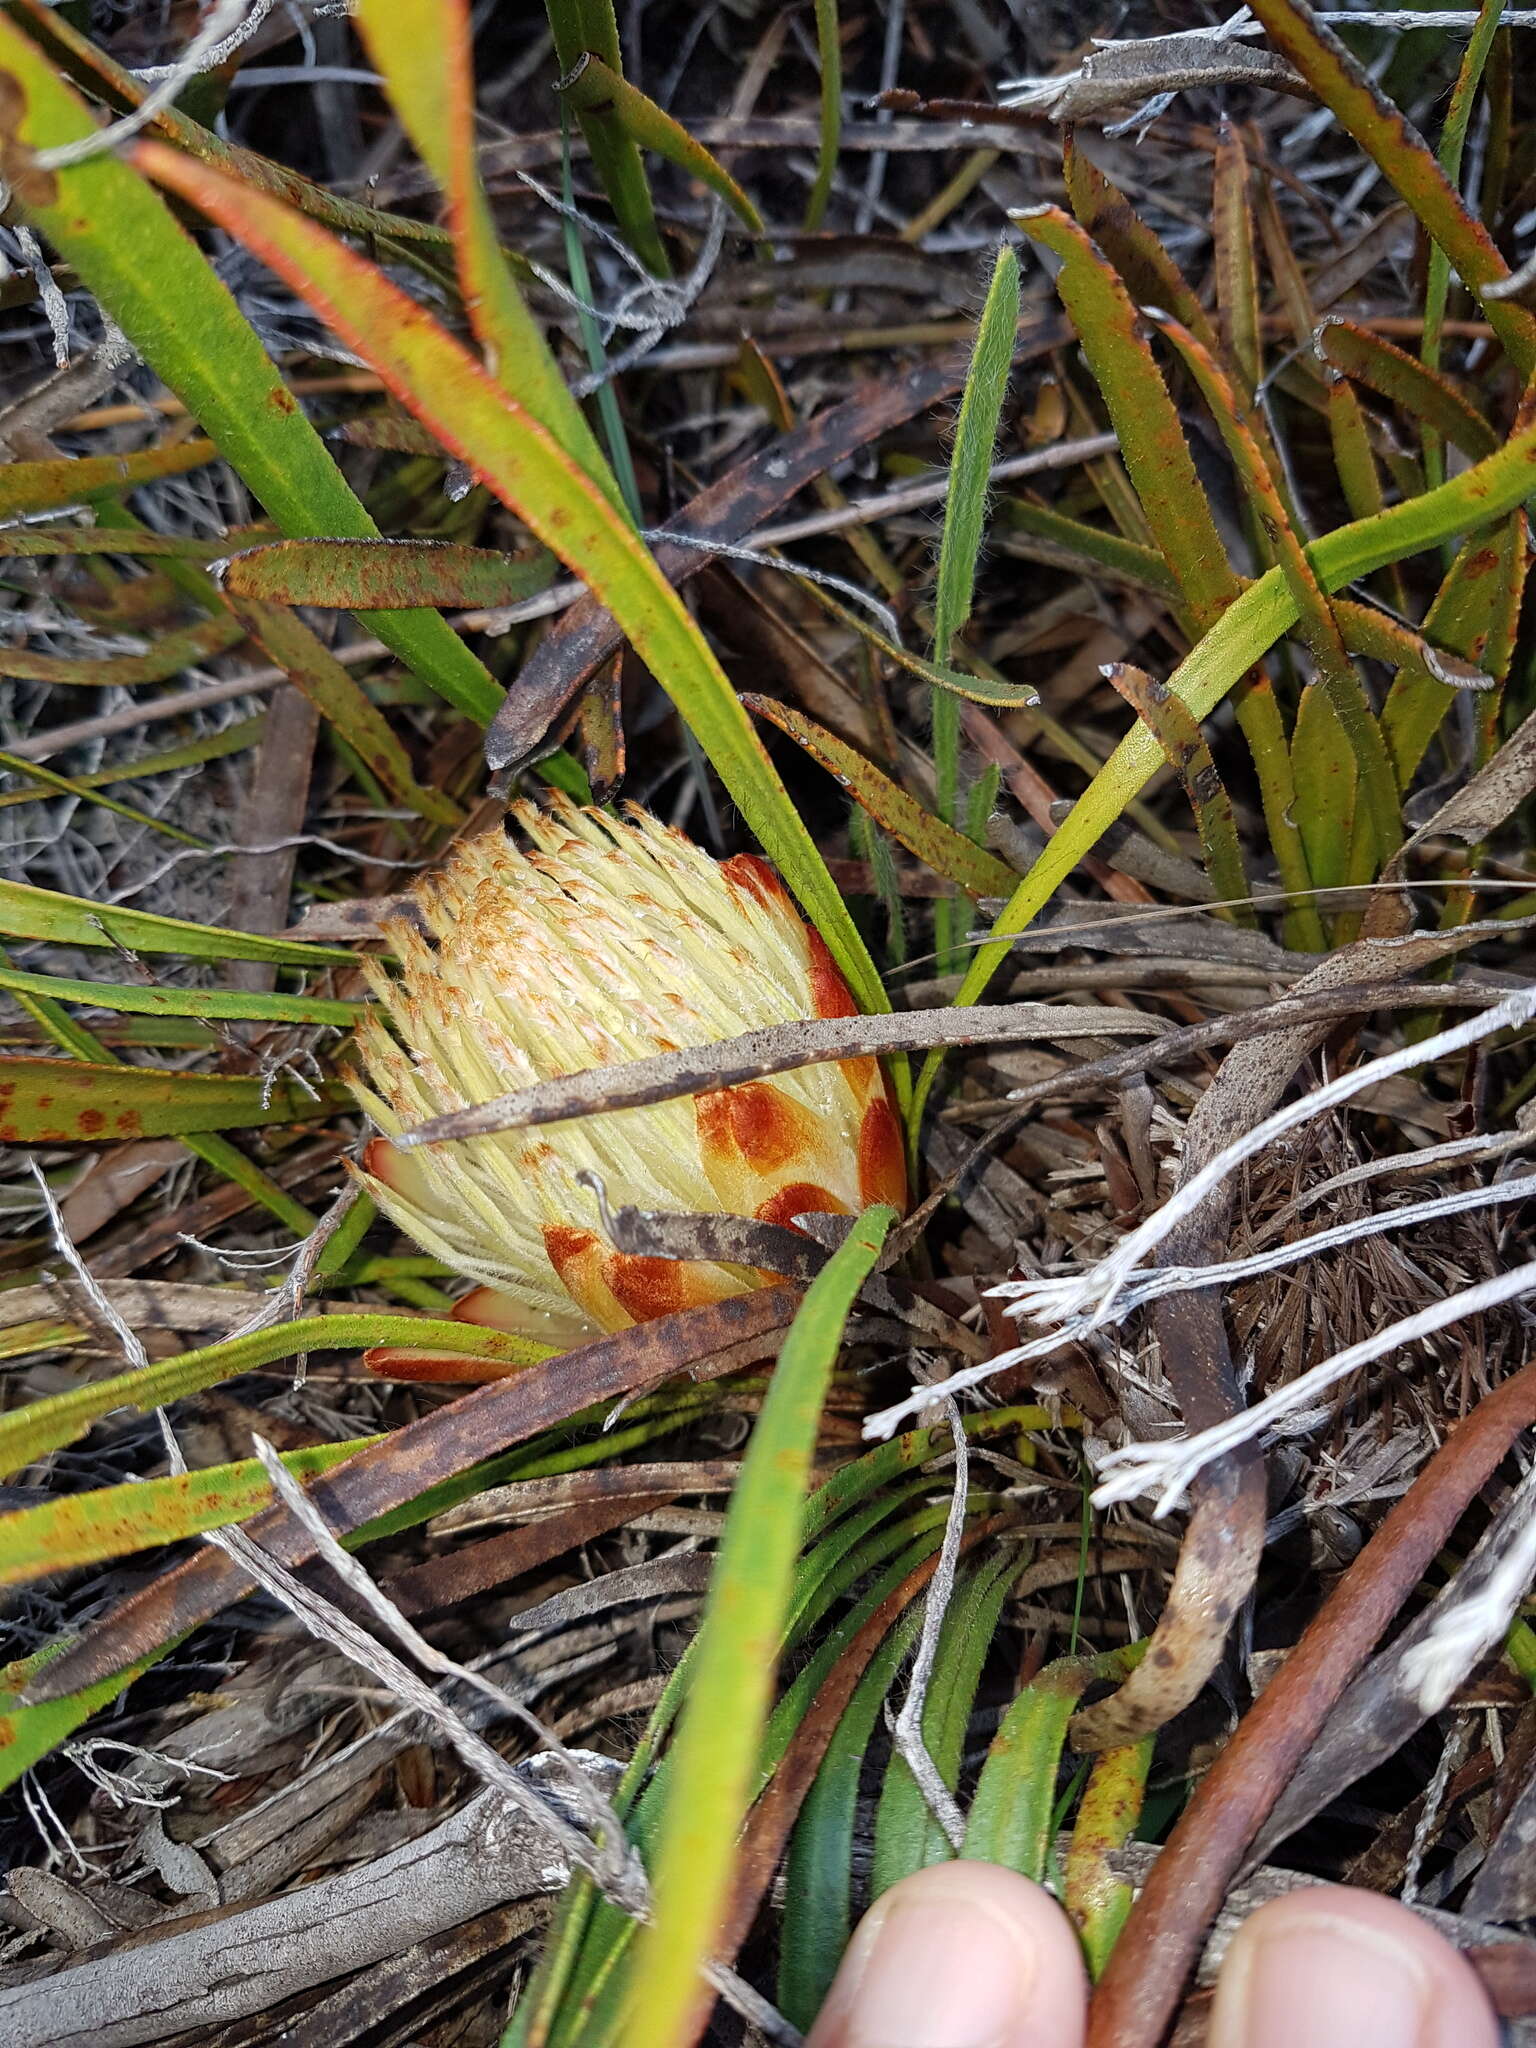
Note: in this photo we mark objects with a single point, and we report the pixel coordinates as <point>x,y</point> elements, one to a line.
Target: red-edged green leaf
<point>89,65</point>
<point>423,49</point>
<point>1150,274</point>
<point>1384,132</point>
<point>1426,395</point>
<point>1151,438</point>
<point>515,458</point>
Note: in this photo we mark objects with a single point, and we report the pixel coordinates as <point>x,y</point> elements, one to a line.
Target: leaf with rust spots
<point>63,1102</point>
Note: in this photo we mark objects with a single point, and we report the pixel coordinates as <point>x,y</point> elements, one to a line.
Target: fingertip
<point>961,1955</point>
<point>1330,1964</point>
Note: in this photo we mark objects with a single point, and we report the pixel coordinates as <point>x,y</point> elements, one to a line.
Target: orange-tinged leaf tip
<point>399,1362</point>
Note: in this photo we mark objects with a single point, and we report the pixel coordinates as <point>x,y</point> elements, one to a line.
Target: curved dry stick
<point>1162,1938</point>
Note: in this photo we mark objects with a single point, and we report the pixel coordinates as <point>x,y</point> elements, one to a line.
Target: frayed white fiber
<point>1093,1294</point>
<point>1167,1468</point>
<point>1470,1627</point>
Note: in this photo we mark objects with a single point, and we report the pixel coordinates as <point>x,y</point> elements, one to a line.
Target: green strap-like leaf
<point>717,1742</point>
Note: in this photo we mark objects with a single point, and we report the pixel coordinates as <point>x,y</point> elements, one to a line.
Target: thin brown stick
<point>1163,1936</point>
<point>784,1048</point>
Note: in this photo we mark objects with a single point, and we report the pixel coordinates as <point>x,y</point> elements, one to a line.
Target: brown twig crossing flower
<point>606,941</point>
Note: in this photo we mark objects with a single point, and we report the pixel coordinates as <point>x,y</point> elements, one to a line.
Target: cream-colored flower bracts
<point>606,941</point>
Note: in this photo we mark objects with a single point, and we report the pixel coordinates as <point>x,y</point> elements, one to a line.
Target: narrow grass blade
<point>1346,692</point>
<point>167,657</point>
<point>443,384</point>
<point>979,689</point>
<point>49,781</point>
<point>1246,631</point>
<point>234,739</point>
<point>717,1742</point>
<point>907,1836</point>
<point>981,404</point>
<point>1400,153</point>
<point>965,513</point>
<point>580,26</point>
<point>339,698</point>
<point>592,87</point>
<point>829,57</point>
<point>949,853</point>
<point>152,279</point>
<point>30,913</point>
<point>29,1433</point>
<point>818,1912</point>
<point>1079,546</point>
<point>153,999</point>
<point>1232,248</point>
<point>31,487</point>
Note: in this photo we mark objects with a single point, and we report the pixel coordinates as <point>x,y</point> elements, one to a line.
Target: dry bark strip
<point>708,1342</point>
<point>212,1968</point>
<point>1140,1988</point>
<point>726,514</point>
<point>397,1999</point>
<point>496,1560</point>
<point>785,1048</point>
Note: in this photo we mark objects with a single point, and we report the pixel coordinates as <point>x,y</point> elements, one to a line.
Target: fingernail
<point>1319,1981</point>
<point>942,1971</point>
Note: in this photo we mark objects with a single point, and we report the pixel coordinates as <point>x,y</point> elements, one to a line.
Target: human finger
<point>961,1955</point>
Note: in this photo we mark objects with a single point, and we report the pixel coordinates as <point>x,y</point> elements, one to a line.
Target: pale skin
<point>968,1955</point>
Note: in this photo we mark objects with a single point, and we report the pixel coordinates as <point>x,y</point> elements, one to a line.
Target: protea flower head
<point>606,941</point>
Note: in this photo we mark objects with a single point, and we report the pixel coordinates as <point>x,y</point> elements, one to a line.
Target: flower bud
<point>606,942</point>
